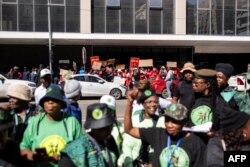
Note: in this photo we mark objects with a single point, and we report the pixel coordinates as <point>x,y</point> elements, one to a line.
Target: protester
<point>21,109</point>
<point>203,111</point>
<point>172,146</point>
<point>234,135</point>
<point>136,152</point>
<point>223,72</point>
<point>9,151</point>
<point>99,149</point>
<point>118,127</point>
<point>169,80</point>
<point>184,93</point>
<point>45,80</point>
<point>49,132</point>
<point>141,86</point>
<point>72,90</point>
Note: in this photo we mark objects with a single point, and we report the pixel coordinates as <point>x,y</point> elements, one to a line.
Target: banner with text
<point>94,59</point>
<point>134,62</point>
<point>146,63</point>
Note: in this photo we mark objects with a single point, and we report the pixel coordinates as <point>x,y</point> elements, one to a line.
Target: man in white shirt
<point>45,80</point>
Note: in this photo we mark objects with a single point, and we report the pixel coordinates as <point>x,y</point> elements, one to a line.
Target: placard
<point>66,74</point>
<point>134,62</point>
<point>146,63</point>
<point>96,65</point>
<point>94,59</point>
<point>171,64</point>
<point>111,62</point>
<point>119,80</point>
<point>120,66</point>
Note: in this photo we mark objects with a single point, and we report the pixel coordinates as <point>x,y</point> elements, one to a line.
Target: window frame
<point>116,5</point>
<point>154,7</point>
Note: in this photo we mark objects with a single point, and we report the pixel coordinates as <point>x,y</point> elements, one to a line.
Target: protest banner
<point>146,63</point>
<point>134,62</point>
<point>120,66</point>
<point>94,59</point>
<point>171,64</point>
<point>111,62</point>
<point>96,65</point>
<point>65,74</point>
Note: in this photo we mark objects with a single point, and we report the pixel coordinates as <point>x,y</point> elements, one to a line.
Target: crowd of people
<point>191,128</point>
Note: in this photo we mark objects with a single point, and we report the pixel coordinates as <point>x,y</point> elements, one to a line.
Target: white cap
<point>44,72</point>
<point>109,100</point>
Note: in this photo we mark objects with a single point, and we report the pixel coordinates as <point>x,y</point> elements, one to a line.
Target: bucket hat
<point>53,92</point>
<point>188,67</point>
<point>176,111</point>
<point>19,91</point>
<point>98,116</point>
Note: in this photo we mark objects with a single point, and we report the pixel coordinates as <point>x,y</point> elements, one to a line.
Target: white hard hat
<point>72,88</point>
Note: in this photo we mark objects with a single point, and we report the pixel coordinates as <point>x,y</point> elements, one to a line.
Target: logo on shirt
<point>53,144</point>
<point>201,115</point>
<point>178,158</point>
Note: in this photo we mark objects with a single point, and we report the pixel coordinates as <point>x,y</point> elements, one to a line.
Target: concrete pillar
<point>85,16</point>
<point>180,16</point>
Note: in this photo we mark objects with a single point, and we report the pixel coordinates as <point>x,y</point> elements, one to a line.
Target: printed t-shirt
<point>190,152</point>
<point>201,111</point>
<point>53,135</point>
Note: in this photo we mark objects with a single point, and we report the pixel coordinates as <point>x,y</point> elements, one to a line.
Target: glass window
<point>229,22</point>
<point>72,18</point>
<point>140,16</point>
<point>73,2</point>
<point>61,2</point>
<point>242,4</point>
<point>203,21</point>
<point>155,21</point>
<point>112,21</point>
<point>155,4</point>
<point>191,21</point>
<point>168,16</point>
<point>9,1</point>
<point>9,17</point>
<point>216,17</point>
<point>41,16</point>
<point>242,23</point>
<point>113,3</point>
<point>204,4</point>
<point>57,18</point>
<point>25,2</point>
<point>127,16</point>
<point>98,16</point>
<point>93,79</point>
<point>25,17</point>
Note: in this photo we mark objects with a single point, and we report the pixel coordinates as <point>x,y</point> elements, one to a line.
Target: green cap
<point>205,73</point>
<point>176,111</point>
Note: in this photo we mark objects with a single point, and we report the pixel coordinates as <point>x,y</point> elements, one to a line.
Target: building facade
<point>202,31</point>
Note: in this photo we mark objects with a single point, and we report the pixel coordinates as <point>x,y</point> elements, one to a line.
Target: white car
<point>95,86</point>
<point>5,83</point>
<point>239,82</point>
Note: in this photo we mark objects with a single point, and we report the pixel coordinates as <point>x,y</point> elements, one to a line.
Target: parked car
<point>239,81</point>
<point>5,83</point>
<point>159,84</point>
<point>93,85</point>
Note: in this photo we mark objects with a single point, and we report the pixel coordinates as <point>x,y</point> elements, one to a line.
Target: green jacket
<point>83,152</point>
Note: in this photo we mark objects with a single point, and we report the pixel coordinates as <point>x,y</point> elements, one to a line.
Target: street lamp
<point>50,37</point>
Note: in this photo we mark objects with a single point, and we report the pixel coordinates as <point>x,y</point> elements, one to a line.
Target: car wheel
<point>164,93</point>
<point>116,93</point>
